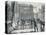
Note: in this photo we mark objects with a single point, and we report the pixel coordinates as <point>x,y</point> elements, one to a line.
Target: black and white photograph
<point>24,17</point>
